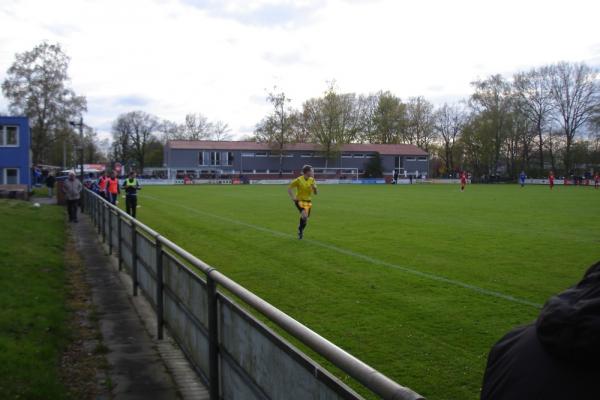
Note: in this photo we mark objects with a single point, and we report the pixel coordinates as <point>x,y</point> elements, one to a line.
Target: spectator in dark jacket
<point>50,181</point>
<point>557,357</point>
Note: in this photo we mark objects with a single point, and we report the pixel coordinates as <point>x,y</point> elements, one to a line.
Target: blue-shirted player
<point>522,177</point>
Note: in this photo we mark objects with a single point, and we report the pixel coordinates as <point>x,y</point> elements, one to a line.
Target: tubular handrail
<point>363,373</point>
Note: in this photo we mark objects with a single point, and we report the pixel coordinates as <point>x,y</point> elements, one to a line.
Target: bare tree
<point>220,131</point>
<point>277,128</point>
<point>532,93</point>
<point>368,130</point>
<point>196,127</point>
<point>170,130</point>
<point>575,93</point>
<point>449,121</point>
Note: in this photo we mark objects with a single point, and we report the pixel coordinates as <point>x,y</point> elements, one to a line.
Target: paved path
<point>142,367</point>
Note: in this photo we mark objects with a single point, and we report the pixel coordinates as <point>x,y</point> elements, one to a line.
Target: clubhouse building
<point>199,159</point>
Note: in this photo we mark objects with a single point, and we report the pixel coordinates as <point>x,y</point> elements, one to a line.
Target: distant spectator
<point>102,184</point>
<point>522,178</point>
<point>112,188</point>
<point>131,186</point>
<point>72,189</point>
<point>50,181</point>
<point>557,356</point>
<point>37,176</point>
<point>551,179</point>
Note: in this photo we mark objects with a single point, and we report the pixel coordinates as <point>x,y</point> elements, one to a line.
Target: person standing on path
<point>112,187</point>
<point>50,181</point>
<point>72,190</point>
<point>131,186</point>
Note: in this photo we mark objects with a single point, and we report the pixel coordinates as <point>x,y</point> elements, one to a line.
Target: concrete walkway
<point>141,367</point>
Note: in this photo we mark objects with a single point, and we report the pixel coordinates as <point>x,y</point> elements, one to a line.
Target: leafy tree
<point>492,100</point>
<point>36,85</point>
<point>132,134</point>
<point>389,119</point>
<point>374,169</point>
<point>419,123</point>
<point>332,120</point>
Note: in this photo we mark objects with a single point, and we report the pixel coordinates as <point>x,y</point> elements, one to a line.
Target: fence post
<point>134,258</point>
<point>213,338</point>
<point>98,216</point>
<point>103,223</point>
<point>110,235</point>
<point>120,247</point>
<point>159,289</point>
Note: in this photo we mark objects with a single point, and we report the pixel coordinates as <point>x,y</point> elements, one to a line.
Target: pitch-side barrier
<point>235,354</point>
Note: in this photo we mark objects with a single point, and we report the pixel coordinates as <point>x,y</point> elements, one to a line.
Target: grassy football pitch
<point>417,281</point>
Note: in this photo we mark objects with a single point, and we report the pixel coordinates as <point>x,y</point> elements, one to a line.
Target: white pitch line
<point>371,260</point>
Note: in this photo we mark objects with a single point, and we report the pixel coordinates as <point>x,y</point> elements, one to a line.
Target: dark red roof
<point>383,149</point>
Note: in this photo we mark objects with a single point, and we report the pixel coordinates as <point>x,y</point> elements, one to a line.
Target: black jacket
<point>558,356</point>
<point>50,180</point>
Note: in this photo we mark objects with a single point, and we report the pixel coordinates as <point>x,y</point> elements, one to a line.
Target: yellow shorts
<point>304,205</point>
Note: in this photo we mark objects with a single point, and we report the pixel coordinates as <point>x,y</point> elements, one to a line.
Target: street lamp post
<point>80,126</point>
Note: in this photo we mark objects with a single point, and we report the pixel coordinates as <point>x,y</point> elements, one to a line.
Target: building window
<point>358,155</point>
<point>370,155</point>
<point>346,155</point>
<point>215,158</point>
<point>201,159</point>
<point>306,155</point>
<point>410,158</point>
<point>247,154</point>
<point>277,154</point>
<point>9,136</point>
<point>260,154</point>
<point>11,176</point>
<point>423,158</point>
<point>229,160</point>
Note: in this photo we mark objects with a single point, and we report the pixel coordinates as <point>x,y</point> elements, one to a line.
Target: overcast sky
<point>219,58</point>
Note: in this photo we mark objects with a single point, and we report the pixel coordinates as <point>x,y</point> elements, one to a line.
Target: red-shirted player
<point>463,181</point>
<point>551,179</point>
<point>596,180</point>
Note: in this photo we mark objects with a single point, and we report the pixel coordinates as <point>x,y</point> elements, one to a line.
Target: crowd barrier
<point>235,354</point>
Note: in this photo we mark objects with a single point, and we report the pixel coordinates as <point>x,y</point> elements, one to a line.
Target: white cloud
<point>171,57</point>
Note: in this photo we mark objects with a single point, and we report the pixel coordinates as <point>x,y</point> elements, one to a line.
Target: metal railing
<point>236,355</point>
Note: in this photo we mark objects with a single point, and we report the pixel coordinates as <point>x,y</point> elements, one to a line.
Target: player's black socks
<point>302,225</point>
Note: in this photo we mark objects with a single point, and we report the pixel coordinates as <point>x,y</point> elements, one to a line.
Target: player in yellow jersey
<point>305,186</point>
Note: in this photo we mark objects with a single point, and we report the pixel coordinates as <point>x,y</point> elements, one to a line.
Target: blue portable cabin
<point>15,154</point>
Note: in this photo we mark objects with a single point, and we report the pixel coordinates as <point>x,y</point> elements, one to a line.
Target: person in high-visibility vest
<point>113,188</point>
<point>102,181</point>
<point>131,186</point>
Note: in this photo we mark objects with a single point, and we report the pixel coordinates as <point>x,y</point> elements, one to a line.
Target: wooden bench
<point>14,192</point>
